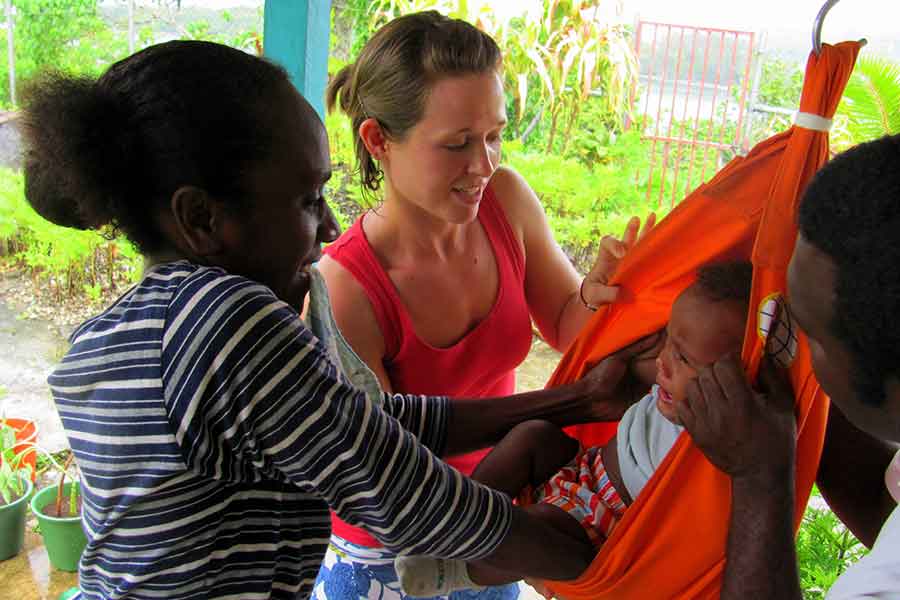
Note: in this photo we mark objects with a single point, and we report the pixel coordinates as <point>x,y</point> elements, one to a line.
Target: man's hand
<point>744,433</point>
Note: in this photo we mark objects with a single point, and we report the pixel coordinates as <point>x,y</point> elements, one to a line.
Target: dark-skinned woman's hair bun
<point>115,150</point>
<point>77,151</point>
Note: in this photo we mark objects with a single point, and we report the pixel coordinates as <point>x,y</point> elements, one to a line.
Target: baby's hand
<point>595,289</point>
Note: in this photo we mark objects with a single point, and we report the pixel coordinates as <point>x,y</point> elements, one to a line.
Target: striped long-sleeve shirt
<point>213,433</point>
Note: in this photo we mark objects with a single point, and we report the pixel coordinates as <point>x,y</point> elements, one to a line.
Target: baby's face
<point>700,331</point>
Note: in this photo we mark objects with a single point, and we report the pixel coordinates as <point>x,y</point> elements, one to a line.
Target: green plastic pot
<point>63,538</point>
<point>12,524</point>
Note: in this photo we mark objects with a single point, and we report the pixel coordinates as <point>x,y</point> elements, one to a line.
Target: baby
<point>584,492</point>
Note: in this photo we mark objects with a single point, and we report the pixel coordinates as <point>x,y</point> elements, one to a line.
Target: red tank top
<point>480,365</point>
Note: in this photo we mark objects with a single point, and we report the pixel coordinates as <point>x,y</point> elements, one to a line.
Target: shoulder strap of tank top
<point>495,223</point>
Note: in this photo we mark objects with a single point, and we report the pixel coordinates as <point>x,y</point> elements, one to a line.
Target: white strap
<point>811,121</point>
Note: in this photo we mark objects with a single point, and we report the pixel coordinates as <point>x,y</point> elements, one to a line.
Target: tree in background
<point>68,35</point>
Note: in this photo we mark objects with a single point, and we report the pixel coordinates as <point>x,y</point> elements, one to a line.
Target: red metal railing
<point>686,113</point>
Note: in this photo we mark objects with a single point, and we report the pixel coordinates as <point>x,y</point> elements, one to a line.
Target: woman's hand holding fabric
<point>595,289</point>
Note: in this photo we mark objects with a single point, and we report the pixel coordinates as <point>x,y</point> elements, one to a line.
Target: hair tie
<point>590,307</point>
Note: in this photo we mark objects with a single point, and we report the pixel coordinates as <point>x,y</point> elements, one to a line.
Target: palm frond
<point>871,101</point>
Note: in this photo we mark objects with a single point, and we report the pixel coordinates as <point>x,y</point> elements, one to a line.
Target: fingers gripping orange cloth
<point>671,541</point>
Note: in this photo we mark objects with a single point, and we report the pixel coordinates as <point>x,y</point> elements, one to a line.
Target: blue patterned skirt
<point>352,572</point>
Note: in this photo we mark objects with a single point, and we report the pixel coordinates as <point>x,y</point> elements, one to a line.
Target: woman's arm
<point>598,396</point>
<point>252,391</point>
<point>603,394</point>
<point>551,282</point>
<point>552,285</point>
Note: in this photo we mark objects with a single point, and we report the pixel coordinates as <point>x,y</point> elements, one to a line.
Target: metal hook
<point>817,26</point>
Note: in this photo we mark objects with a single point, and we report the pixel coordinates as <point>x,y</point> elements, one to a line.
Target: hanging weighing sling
<point>671,541</point>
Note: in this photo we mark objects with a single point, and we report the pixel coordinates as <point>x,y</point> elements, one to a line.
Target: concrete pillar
<point>296,36</point>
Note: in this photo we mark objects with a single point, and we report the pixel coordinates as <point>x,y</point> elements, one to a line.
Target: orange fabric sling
<point>671,541</point>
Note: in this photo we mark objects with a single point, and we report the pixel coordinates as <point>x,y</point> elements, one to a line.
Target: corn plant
<point>577,50</point>
<point>556,55</point>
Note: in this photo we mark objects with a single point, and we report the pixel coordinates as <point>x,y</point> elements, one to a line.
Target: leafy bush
<point>825,548</point>
<point>585,203</point>
<point>68,260</point>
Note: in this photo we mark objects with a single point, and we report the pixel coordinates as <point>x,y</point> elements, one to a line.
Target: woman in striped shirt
<point>212,426</point>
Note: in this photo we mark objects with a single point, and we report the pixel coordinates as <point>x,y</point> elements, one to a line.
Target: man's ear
<point>372,135</point>
<point>198,219</point>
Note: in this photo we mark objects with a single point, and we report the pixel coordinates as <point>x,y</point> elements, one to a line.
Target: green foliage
<point>249,41</point>
<point>870,107</point>
<point>871,102</point>
<point>47,461</point>
<point>576,52</point>
<point>46,29</point>
<point>68,260</point>
<point>340,139</point>
<point>71,36</point>
<point>585,203</point>
<point>93,291</point>
<point>60,34</point>
<point>558,57</point>
<point>825,548</point>
<point>780,82</point>
<point>349,28</point>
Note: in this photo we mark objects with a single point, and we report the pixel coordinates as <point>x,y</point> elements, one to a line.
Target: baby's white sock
<point>423,576</point>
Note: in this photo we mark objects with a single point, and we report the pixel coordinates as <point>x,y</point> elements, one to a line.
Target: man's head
<point>707,322</point>
<point>844,283</point>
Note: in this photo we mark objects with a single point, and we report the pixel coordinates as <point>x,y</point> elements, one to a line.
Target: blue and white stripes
<point>213,433</point>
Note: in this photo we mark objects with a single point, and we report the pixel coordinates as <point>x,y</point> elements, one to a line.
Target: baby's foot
<point>423,576</point>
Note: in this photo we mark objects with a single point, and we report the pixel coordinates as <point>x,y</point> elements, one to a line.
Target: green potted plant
<point>58,511</point>
<point>15,488</point>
